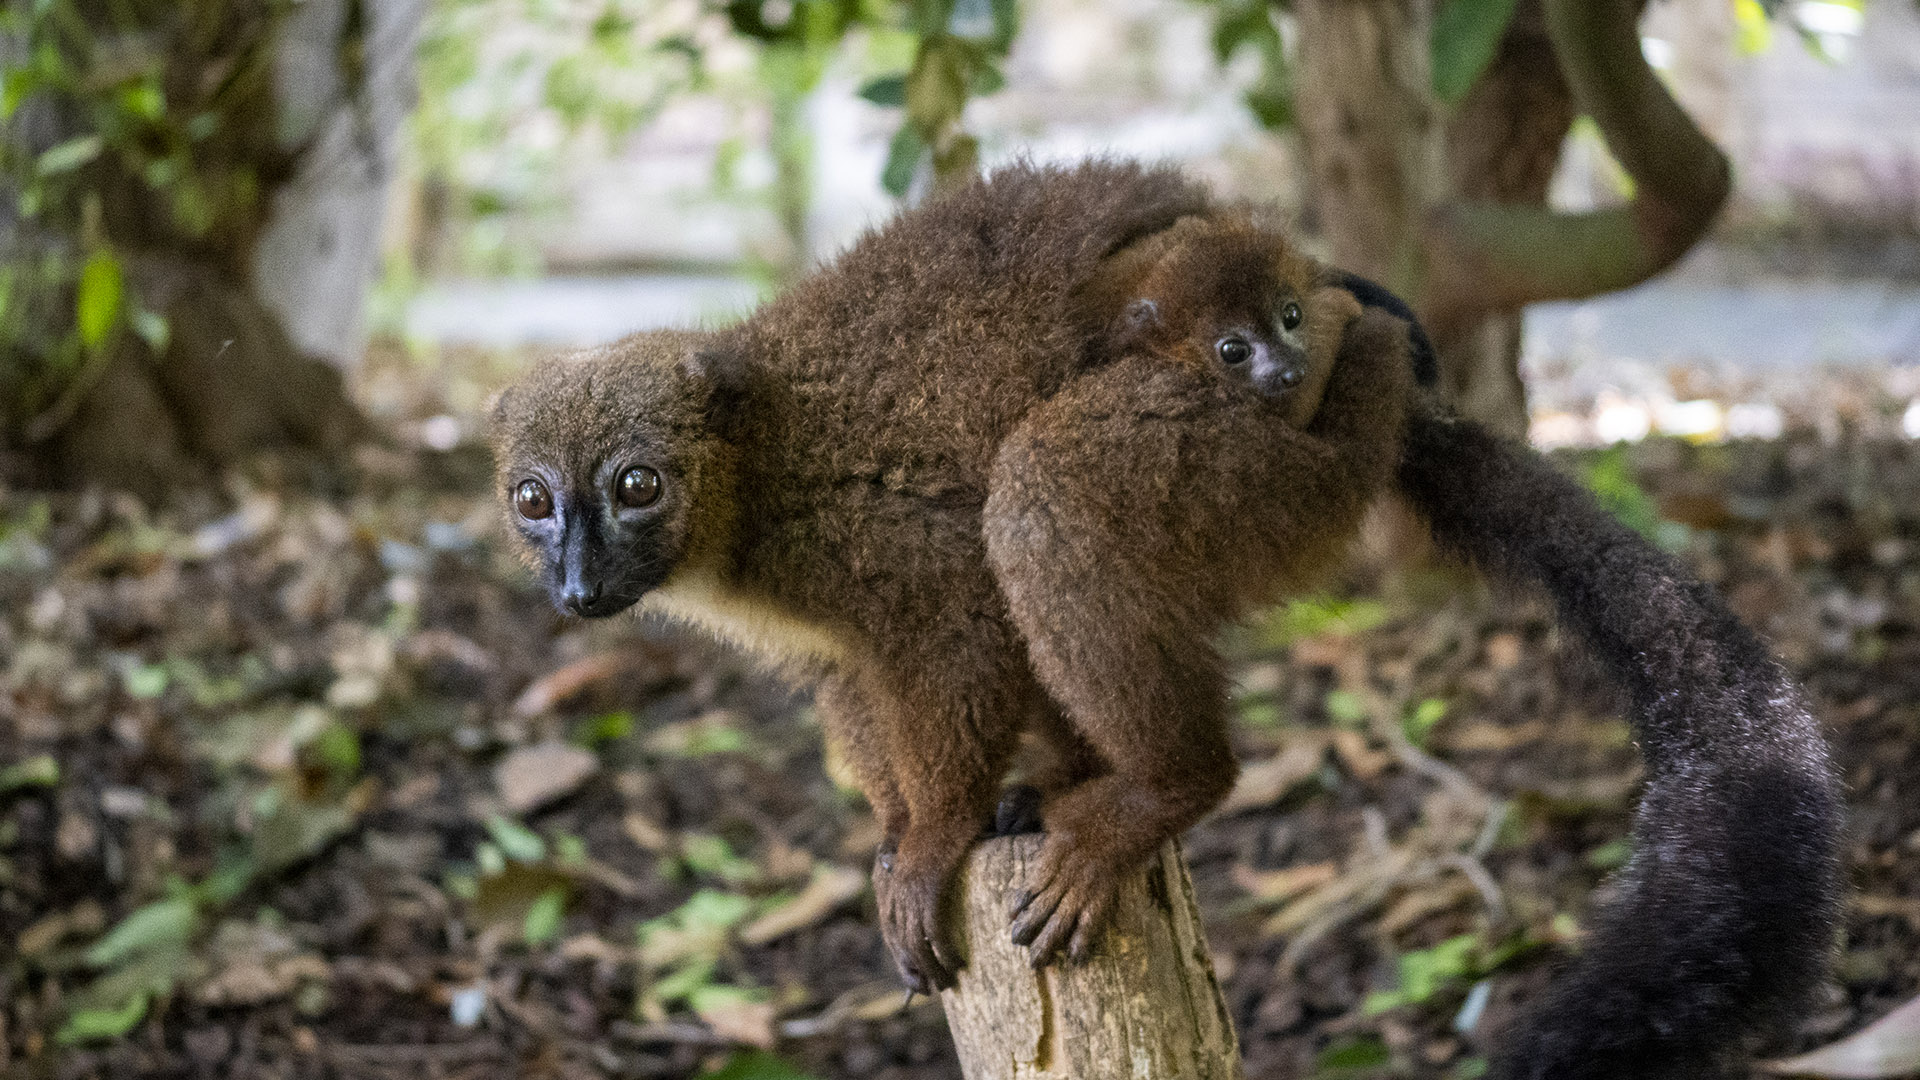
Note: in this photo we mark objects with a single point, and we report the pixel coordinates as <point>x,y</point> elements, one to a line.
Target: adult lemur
<point>1008,465</point>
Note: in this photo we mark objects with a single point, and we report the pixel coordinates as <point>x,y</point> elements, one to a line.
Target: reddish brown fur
<point>828,466</point>
<point>901,480</point>
<point>1130,516</point>
<point>1209,276</point>
<point>932,481</point>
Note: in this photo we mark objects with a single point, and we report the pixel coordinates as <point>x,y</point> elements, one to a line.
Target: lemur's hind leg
<point>1157,714</point>
<point>938,733</point>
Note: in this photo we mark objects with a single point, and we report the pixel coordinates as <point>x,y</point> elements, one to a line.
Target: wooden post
<point>1144,1007</point>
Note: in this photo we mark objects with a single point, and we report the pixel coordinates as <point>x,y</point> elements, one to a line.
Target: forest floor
<point>295,786</point>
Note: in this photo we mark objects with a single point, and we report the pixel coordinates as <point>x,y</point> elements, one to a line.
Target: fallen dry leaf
<point>831,886</point>
<point>1876,905</point>
<point>739,1020</point>
<point>535,775</point>
<point>1887,1048</point>
<point>1264,783</point>
<point>1419,903</point>
<point>1276,886</point>
<point>557,686</point>
<point>1363,761</point>
<point>1503,651</point>
<point>647,834</point>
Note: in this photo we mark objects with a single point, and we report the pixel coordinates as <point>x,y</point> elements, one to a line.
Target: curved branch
<point>1487,257</point>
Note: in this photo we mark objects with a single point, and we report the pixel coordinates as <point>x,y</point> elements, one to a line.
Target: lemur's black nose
<point>580,597</point>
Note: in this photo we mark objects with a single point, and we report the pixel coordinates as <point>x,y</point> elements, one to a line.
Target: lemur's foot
<point>1068,904</point>
<point>909,897</point>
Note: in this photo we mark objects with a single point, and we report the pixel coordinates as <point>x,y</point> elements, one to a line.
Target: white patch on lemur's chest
<point>753,623</point>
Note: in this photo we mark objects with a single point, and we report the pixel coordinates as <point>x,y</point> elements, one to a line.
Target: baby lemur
<point>1008,465</point>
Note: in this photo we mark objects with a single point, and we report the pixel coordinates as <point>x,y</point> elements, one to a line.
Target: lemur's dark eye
<point>1234,350</point>
<point>638,487</point>
<point>1291,315</point>
<point>532,500</point>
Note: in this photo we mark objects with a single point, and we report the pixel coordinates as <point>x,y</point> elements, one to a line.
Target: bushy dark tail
<point>1723,918</point>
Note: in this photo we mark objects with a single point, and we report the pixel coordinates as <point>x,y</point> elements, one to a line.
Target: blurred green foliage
<point>130,127</point>
<point>501,113</point>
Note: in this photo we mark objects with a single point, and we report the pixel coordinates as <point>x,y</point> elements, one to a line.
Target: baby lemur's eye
<point>638,487</point>
<point>532,500</point>
<point>1291,315</point>
<point>1234,350</point>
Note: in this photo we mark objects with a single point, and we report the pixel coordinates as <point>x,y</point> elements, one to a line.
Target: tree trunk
<point>1145,1006</point>
<point>1382,159</point>
<point>263,307</point>
<point>1471,246</point>
<point>1365,105</point>
<point>344,78</point>
<point>1503,144</point>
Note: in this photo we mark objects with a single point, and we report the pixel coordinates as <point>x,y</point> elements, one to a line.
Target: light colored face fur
<point>599,458</point>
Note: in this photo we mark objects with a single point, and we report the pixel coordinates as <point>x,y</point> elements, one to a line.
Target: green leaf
<point>543,918</point>
<point>887,90</point>
<point>903,160</point>
<point>146,681</point>
<point>1427,972</point>
<point>755,1065</point>
<point>605,728</point>
<point>987,79</point>
<point>1610,477</point>
<point>1421,720</point>
<point>102,288</point>
<point>1752,34</point>
<point>163,922</point>
<point>143,100</point>
<point>41,770</point>
<point>1359,1052</point>
<point>1272,102</point>
<point>1611,855</point>
<point>708,854</point>
<point>91,1025</point>
<point>14,89</point>
<point>69,155</point>
<point>1313,616</point>
<point>518,842</point>
<point>1465,35</point>
<point>1346,706</point>
<point>685,981</point>
<point>337,749</point>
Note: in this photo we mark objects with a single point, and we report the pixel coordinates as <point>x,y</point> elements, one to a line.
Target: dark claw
<point>1030,921</point>
<point>1019,811</point>
<point>907,1002</point>
<point>937,973</point>
<point>1021,898</point>
<point>916,982</point>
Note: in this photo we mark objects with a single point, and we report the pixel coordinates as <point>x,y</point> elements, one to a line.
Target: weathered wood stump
<point>1145,1007</point>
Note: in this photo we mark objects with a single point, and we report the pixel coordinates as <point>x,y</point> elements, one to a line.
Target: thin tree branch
<point>1488,257</point>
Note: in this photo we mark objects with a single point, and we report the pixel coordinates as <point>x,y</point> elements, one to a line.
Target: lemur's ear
<point>720,376</point>
<point>1139,323</point>
<point>1141,316</point>
<point>497,409</point>
<point>1426,363</point>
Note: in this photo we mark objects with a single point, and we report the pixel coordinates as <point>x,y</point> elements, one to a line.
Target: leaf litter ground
<point>305,787</point>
